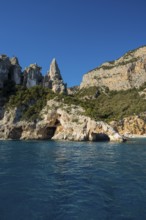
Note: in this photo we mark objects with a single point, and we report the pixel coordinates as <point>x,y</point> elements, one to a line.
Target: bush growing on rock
<point>107,106</point>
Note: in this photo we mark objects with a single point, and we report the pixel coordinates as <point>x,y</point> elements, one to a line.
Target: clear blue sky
<point>80,34</point>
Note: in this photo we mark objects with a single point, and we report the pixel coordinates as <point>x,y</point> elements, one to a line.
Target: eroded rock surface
<point>53,79</point>
<point>32,76</point>
<point>127,72</point>
<point>58,123</point>
<point>9,70</point>
<point>132,125</point>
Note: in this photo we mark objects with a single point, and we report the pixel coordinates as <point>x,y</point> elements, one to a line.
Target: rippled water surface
<point>48,180</point>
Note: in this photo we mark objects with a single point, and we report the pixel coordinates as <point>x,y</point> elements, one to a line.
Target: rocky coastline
<point>34,106</point>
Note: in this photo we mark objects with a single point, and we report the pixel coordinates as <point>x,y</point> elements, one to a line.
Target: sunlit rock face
<point>32,76</point>
<point>127,72</point>
<point>132,125</point>
<point>53,79</point>
<point>54,72</point>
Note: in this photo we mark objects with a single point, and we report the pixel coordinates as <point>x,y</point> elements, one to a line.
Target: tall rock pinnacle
<point>54,72</point>
<point>54,80</point>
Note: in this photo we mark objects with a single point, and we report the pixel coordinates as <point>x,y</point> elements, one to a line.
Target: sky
<point>80,34</point>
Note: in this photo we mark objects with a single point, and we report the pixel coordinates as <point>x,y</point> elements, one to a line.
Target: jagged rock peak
<point>3,56</point>
<point>9,70</point>
<point>33,66</point>
<point>14,61</point>
<point>54,72</point>
<point>53,79</point>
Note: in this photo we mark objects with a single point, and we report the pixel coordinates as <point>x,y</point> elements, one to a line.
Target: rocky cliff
<point>53,79</point>
<point>32,76</point>
<point>42,107</point>
<point>129,126</point>
<point>10,70</point>
<point>58,122</point>
<point>127,72</point>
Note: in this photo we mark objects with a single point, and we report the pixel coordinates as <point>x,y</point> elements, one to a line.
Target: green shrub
<point>32,99</point>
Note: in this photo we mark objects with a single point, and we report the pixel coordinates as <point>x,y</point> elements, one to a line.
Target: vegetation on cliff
<point>31,100</point>
<point>98,103</point>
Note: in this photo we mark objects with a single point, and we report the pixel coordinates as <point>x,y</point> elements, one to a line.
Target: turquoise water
<point>48,180</point>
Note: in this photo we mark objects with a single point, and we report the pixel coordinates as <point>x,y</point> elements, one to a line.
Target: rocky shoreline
<point>33,106</point>
<point>56,124</point>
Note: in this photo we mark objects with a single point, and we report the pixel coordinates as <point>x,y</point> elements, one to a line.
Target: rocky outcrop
<point>15,71</point>
<point>132,125</point>
<point>9,70</point>
<point>73,90</point>
<point>58,123</point>
<point>125,73</point>
<point>5,65</point>
<point>71,124</point>
<point>32,76</point>
<point>53,79</point>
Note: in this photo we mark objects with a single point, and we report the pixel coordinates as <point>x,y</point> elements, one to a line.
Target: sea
<point>52,180</point>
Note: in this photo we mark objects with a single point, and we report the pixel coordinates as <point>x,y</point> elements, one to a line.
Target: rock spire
<point>54,80</point>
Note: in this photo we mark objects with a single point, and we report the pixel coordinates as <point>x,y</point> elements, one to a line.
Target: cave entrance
<point>100,137</point>
<point>15,133</point>
<point>49,132</point>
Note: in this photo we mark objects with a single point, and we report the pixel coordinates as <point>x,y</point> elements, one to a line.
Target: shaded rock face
<point>5,65</point>
<point>15,70</point>
<point>125,73</point>
<point>9,70</point>
<point>14,133</point>
<point>32,76</point>
<point>46,132</point>
<point>53,79</point>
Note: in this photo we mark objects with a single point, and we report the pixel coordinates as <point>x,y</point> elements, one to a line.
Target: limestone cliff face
<point>127,72</point>
<point>132,125</point>
<point>32,76</point>
<point>58,123</point>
